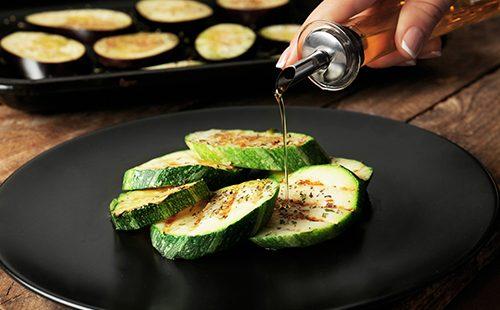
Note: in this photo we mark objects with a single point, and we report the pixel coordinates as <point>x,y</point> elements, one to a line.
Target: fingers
<point>431,49</point>
<point>416,22</point>
<point>329,10</point>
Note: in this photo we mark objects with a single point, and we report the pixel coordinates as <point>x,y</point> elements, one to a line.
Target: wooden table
<point>456,96</point>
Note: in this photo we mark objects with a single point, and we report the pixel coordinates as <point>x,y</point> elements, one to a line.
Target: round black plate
<point>432,205</point>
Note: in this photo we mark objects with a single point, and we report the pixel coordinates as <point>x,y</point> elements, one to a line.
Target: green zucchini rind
<point>234,213</point>
<point>323,201</point>
<point>179,168</point>
<point>256,150</point>
<point>136,209</point>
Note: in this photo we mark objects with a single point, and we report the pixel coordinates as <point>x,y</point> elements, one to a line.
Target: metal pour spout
<point>302,69</point>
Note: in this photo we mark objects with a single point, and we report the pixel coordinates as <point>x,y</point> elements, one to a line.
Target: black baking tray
<point>104,87</point>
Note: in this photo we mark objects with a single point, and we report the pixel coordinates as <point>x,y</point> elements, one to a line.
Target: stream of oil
<point>278,94</point>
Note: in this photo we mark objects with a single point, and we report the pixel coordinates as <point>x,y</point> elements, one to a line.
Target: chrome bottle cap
<point>331,56</point>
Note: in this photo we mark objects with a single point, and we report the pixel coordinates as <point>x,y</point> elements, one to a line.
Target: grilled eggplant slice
<point>177,64</point>
<point>39,55</point>
<point>256,150</point>
<point>175,15</point>
<point>324,199</point>
<point>136,50</point>
<point>253,12</point>
<point>179,168</point>
<point>86,25</point>
<point>136,209</point>
<point>278,36</point>
<point>234,213</point>
<point>225,42</point>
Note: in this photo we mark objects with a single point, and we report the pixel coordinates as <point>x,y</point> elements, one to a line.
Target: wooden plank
<point>401,93</point>
<point>471,119</point>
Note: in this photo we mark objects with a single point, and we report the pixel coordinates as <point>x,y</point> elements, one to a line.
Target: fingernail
<point>432,54</point>
<point>408,63</point>
<point>413,41</point>
<point>281,62</point>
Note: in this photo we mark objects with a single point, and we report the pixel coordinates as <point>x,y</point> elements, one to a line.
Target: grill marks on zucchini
<point>235,212</point>
<point>179,168</point>
<point>224,42</point>
<point>136,209</point>
<point>323,200</point>
<point>256,150</point>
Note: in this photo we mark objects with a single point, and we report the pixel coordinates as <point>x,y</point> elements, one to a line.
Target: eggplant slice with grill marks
<point>175,15</point>
<point>225,42</point>
<point>136,50</point>
<point>86,25</point>
<point>38,55</point>
<point>255,11</point>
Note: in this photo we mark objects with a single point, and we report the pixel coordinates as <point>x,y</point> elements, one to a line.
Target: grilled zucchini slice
<point>323,200</point>
<point>136,209</point>
<point>179,168</point>
<point>362,171</point>
<point>256,150</point>
<point>225,42</point>
<point>234,213</point>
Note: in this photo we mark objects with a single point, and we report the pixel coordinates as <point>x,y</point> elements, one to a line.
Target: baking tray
<point>104,87</point>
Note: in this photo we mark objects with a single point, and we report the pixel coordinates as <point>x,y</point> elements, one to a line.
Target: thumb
<point>416,23</point>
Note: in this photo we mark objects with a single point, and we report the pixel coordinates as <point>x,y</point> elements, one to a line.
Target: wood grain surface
<point>456,96</point>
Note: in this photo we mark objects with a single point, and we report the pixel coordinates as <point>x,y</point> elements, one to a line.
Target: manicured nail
<point>284,56</point>
<point>432,54</point>
<point>413,41</point>
<point>408,63</point>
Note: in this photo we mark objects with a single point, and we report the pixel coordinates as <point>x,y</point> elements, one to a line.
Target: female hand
<point>415,24</point>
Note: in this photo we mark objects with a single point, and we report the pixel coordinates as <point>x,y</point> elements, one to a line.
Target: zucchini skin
<point>152,213</point>
<point>192,247</point>
<point>309,153</point>
<point>176,176</point>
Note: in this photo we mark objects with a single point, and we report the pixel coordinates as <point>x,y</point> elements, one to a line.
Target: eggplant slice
<point>173,11</point>
<point>86,25</point>
<point>279,33</point>
<point>136,50</point>
<point>225,42</point>
<point>39,55</point>
<point>251,12</point>
<point>177,64</point>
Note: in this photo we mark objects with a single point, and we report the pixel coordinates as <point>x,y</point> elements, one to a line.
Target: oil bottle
<point>332,54</point>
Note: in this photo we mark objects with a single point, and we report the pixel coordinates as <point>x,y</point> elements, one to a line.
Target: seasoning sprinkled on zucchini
<point>256,150</point>
<point>234,213</point>
<point>136,209</point>
<point>173,11</point>
<point>179,168</point>
<point>323,200</point>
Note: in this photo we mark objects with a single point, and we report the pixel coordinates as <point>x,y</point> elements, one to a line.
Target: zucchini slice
<point>177,64</point>
<point>234,213</point>
<point>86,25</point>
<point>179,168</point>
<point>245,5</point>
<point>38,54</point>
<point>362,171</point>
<point>136,209</point>
<point>359,169</point>
<point>256,150</point>
<point>135,50</point>
<point>323,200</point>
<point>173,11</point>
<point>254,11</point>
<point>225,42</point>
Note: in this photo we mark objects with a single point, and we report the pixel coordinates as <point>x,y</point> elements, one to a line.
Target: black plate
<point>131,86</point>
<point>432,207</point>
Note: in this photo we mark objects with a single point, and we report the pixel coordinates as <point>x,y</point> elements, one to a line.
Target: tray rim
<point>406,291</point>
